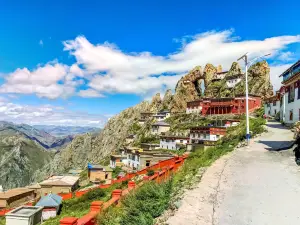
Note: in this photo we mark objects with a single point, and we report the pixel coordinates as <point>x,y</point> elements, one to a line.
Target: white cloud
<point>41,43</point>
<point>51,80</point>
<point>143,73</point>
<point>275,72</point>
<point>286,56</point>
<point>105,68</point>
<point>90,93</point>
<point>48,115</point>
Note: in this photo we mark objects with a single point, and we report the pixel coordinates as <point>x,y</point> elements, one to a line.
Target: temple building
<point>173,142</point>
<point>290,94</point>
<point>233,80</point>
<point>162,115</point>
<point>160,127</point>
<point>138,158</point>
<point>212,106</point>
<point>206,133</point>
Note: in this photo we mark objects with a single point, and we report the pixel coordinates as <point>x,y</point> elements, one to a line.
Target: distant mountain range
<point>60,131</point>
<point>26,152</point>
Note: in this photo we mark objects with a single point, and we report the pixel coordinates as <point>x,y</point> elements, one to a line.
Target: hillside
<point>43,138</point>
<point>93,148</point>
<point>20,158</point>
<point>25,152</point>
<point>89,148</point>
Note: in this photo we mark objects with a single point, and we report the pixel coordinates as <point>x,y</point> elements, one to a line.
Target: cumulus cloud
<point>89,93</point>
<point>140,73</point>
<point>276,71</point>
<point>105,68</point>
<point>48,115</point>
<point>51,80</point>
<point>41,43</point>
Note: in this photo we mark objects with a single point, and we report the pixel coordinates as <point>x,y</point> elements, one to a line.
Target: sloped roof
<point>14,192</point>
<point>161,123</point>
<point>60,181</point>
<point>50,200</point>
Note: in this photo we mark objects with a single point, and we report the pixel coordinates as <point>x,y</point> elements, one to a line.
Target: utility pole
<point>248,64</point>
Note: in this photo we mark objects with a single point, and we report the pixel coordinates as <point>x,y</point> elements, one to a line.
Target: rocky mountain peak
<point>219,69</point>
<point>168,97</point>
<point>260,69</point>
<point>155,103</point>
<point>209,72</point>
<point>234,69</point>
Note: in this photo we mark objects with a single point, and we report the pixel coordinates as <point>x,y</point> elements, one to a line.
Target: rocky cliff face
<point>258,82</point>
<point>187,89</point>
<point>88,148</point>
<point>20,158</point>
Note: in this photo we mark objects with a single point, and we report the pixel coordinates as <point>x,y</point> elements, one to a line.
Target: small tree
<point>150,173</point>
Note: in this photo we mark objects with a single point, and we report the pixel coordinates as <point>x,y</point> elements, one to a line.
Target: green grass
<point>2,220</point>
<point>140,206</point>
<point>149,201</point>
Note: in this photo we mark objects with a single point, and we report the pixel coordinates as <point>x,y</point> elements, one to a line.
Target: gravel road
<point>250,186</point>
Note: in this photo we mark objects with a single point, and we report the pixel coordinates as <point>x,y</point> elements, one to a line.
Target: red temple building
<point>212,106</point>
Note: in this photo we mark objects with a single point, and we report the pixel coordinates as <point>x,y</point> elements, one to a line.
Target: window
<point>298,97</point>
<point>274,103</point>
<point>275,111</point>
<point>291,94</point>
<point>218,136</point>
<point>106,176</point>
<point>181,141</point>
<point>291,115</point>
<point>148,163</point>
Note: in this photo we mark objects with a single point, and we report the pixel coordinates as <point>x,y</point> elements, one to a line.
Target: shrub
<point>150,173</point>
<point>139,207</point>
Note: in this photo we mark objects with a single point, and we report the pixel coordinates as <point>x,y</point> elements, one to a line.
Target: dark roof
<point>161,123</point>
<point>295,64</point>
<point>234,76</point>
<point>208,127</point>
<point>222,72</point>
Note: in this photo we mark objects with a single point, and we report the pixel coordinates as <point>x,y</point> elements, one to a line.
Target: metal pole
<point>247,98</point>
<point>245,58</point>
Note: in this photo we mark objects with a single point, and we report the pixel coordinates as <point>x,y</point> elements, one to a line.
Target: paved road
<point>250,186</point>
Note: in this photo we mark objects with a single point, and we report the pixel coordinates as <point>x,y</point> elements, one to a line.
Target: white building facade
<point>200,134</point>
<point>161,116</point>
<point>290,95</point>
<point>194,107</point>
<point>233,80</point>
<point>173,143</point>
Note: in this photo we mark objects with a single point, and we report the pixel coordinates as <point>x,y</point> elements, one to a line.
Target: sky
<point>81,62</point>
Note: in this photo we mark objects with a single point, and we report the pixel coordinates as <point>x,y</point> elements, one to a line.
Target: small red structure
<point>212,106</point>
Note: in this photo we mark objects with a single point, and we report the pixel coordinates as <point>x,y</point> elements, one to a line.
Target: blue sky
<point>79,62</point>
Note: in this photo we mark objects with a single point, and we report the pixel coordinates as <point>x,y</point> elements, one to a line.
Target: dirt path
<point>248,186</point>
